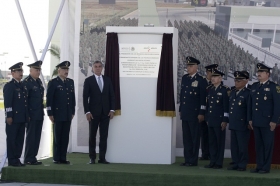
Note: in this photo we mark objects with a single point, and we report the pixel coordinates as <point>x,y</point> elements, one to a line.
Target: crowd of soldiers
<point>92,42</point>
<point>207,106</point>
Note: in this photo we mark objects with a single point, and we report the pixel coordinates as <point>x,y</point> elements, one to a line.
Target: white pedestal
<point>138,135</point>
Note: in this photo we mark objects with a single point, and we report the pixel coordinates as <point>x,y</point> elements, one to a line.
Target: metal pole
<point>274,33</point>
<point>52,31</point>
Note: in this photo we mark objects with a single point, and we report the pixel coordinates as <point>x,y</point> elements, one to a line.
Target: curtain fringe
<point>118,113</point>
<point>165,113</point>
<point>272,166</point>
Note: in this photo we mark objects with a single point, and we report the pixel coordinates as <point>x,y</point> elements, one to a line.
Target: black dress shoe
<point>103,161</point>
<point>232,168</point>
<point>91,161</point>
<point>184,164</point>
<point>191,165</point>
<point>241,169</point>
<point>34,163</point>
<point>232,163</point>
<point>209,166</point>
<point>15,164</point>
<point>217,167</point>
<point>64,162</point>
<point>56,162</point>
<point>254,171</point>
<point>263,171</point>
<point>203,158</point>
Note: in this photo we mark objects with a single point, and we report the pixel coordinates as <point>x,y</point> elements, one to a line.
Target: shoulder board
<point>225,86</point>
<point>272,82</point>
<point>246,88</point>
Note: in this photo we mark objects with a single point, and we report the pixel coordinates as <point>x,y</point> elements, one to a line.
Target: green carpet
<point>79,172</point>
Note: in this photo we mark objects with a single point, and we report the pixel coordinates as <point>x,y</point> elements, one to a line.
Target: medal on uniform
<point>194,84</point>
<point>265,98</point>
<point>217,101</point>
<point>239,103</point>
<point>190,92</point>
<point>19,95</point>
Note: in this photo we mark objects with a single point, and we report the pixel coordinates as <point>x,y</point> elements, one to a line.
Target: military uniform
<point>204,139</point>
<point>238,124</point>
<point>217,112</point>
<point>264,104</point>
<point>16,107</point>
<point>61,105</point>
<point>192,104</point>
<point>35,91</point>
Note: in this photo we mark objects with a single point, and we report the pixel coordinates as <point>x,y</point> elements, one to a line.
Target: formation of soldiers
<point>207,104</point>
<point>23,102</point>
<point>92,42</point>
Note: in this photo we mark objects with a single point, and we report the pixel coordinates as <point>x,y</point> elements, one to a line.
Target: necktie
<point>99,83</point>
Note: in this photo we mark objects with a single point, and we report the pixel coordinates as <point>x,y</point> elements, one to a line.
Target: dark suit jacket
<point>95,101</point>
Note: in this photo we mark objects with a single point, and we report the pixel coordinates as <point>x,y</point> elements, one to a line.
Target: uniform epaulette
<point>247,88</point>
<point>225,86</point>
<point>26,79</point>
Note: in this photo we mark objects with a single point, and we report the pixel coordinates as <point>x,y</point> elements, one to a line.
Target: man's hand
<point>272,126</point>
<point>200,118</point>
<point>111,114</point>
<point>51,118</point>
<point>224,125</point>
<point>89,117</point>
<point>9,121</point>
<point>251,125</point>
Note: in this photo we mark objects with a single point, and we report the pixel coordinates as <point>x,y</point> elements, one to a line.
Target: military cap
<point>210,67</point>
<point>36,65</point>
<point>263,68</point>
<point>240,75</point>
<point>192,61</point>
<point>16,67</point>
<point>246,73</point>
<point>216,72</point>
<point>64,64</point>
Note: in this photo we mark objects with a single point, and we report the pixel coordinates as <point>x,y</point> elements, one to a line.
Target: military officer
<point>263,116</point>
<point>35,91</point>
<point>192,110</point>
<point>16,110</point>
<point>217,119</point>
<point>204,128</point>
<point>238,124</point>
<point>61,110</point>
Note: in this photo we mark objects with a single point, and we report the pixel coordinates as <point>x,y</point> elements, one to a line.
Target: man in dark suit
<point>16,111</point>
<point>192,110</point>
<point>238,123</point>
<point>99,106</point>
<point>204,128</point>
<point>61,110</point>
<point>217,119</point>
<point>35,91</point>
<point>263,116</point>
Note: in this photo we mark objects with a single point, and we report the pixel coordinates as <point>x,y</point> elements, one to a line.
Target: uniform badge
<point>239,103</point>
<point>59,86</point>
<point>278,89</point>
<point>253,90</point>
<point>228,92</point>
<point>195,83</point>
<point>265,98</point>
<point>267,89</point>
<point>217,101</point>
<point>219,93</point>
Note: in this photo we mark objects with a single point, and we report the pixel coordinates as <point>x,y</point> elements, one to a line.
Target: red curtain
<point>165,85</point>
<point>112,67</point>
